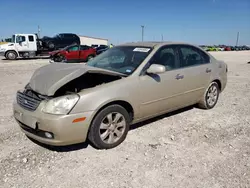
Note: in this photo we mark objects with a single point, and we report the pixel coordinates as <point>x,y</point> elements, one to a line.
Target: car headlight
<point>61,105</point>
<point>2,49</point>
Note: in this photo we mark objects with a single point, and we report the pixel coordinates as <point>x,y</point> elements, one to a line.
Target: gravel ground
<point>187,148</point>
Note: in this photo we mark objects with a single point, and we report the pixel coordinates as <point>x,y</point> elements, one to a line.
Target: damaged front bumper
<point>51,129</point>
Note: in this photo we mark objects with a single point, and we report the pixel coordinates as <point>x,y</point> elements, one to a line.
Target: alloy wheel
<point>212,95</point>
<point>112,127</point>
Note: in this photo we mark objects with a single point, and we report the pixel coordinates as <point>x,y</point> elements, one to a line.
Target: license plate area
<point>26,120</point>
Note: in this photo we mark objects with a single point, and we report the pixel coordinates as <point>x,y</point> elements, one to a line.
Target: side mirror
<point>156,69</point>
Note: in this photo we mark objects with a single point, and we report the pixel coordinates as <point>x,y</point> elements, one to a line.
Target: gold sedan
<point>68,103</point>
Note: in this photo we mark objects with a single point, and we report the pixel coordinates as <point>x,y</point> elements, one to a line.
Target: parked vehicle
<point>68,103</point>
<point>60,41</point>
<point>30,46</point>
<point>220,48</point>
<point>228,48</point>
<point>73,53</point>
<point>22,45</point>
<point>247,47</point>
<point>101,48</point>
<point>212,48</point>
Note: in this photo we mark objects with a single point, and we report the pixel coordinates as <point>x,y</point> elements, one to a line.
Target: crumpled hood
<point>48,79</point>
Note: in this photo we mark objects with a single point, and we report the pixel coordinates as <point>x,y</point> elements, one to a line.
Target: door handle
<point>179,77</point>
<point>208,70</point>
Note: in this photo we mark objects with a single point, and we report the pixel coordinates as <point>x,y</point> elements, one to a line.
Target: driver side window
<point>166,56</point>
<point>20,39</point>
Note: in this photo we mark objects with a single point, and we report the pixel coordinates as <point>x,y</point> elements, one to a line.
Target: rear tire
<point>51,45</point>
<point>110,127</point>
<point>90,57</point>
<point>11,55</point>
<point>210,97</point>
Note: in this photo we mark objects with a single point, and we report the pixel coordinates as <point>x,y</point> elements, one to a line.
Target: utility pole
<point>237,40</point>
<point>39,31</point>
<point>162,37</point>
<point>142,32</point>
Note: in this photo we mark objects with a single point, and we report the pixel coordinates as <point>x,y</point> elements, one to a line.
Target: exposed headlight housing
<point>61,105</point>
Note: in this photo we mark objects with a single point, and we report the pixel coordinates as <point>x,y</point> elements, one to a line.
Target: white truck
<point>30,46</point>
<point>22,45</point>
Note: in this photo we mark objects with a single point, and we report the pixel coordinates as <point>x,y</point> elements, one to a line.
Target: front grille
<point>28,102</point>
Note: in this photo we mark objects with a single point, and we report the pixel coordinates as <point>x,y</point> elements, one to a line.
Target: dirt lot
<point>188,148</point>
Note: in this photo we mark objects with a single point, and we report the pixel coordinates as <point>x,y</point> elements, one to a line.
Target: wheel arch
<point>218,82</point>
<point>12,50</point>
<point>126,105</point>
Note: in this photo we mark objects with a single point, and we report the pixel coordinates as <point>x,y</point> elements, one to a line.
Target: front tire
<point>110,127</point>
<point>210,97</point>
<point>60,58</point>
<point>11,55</point>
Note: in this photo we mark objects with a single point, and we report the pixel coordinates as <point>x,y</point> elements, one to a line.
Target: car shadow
<point>84,145</point>
<point>149,121</point>
<point>68,148</point>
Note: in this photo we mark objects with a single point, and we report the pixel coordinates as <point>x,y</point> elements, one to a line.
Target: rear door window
<point>191,56</point>
<point>31,38</point>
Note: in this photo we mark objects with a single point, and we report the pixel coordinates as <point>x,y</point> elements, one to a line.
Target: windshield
<point>122,59</point>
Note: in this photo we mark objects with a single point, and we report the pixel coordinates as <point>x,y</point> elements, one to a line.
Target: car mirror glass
<point>156,69</point>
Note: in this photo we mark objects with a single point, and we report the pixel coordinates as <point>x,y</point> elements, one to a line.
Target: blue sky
<point>193,21</point>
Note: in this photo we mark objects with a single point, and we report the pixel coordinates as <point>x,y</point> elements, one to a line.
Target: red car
<point>228,49</point>
<point>74,53</point>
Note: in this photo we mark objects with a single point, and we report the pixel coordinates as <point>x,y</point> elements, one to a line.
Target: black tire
<point>51,45</point>
<point>90,57</point>
<point>94,130</point>
<point>204,104</point>
<point>11,55</point>
<point>60,58</point>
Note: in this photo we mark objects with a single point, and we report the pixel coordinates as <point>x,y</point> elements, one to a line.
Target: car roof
<point>152,44</point>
